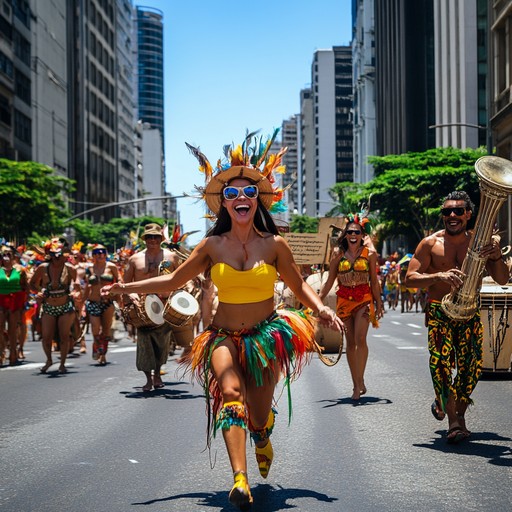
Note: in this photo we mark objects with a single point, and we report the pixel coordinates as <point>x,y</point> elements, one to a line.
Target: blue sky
<point>231,66</point>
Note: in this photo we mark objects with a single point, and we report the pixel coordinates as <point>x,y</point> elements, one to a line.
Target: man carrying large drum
<point>153,340</point>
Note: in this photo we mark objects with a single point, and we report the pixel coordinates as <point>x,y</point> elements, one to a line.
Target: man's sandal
<point>240,495</point>
<point>455,435</point>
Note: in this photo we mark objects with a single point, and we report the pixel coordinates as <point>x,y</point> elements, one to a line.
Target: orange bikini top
<point>244,286</point>
<point>361,263</point>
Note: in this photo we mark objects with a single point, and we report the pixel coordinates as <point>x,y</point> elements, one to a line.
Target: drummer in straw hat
<point>152,343</point>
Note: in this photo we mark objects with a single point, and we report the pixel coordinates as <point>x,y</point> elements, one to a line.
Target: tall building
<point>150,67</point>
<point>150,103</point>
<point>289,139</point>
<point>460,74</point>
<point>332,104</point>
<point>363,58</point>
<point>153,164</point>
<point>92,89</point>
<point>50,85</point>
<point>404,76</point>
<point>15,81</point>
<point>306,199</point>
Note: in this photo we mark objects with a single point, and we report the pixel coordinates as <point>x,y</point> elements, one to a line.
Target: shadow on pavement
<point>364,400</point>
<point>166,393</point>
<point>266,498</point>
<point>478,445</point>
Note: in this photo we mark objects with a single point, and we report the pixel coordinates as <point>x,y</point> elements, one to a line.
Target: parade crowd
<point>219,303</point>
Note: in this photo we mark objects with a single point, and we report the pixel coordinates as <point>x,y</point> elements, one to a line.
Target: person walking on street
<point>55,283</point>
<point>13,296</point>
<point>436,265</point>
<point>359,298</point>
<point>100,309</point>
<point>153,342</point>
<point>239,357</point>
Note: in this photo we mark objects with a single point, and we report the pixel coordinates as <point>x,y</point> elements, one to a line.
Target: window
<point>22,127</point>
<point>22,86</point>
<point>5,111</point>
<point>6,66</point>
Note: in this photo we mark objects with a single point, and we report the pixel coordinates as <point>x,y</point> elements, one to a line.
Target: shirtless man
<point>436,265</point>
<point>152,343</point>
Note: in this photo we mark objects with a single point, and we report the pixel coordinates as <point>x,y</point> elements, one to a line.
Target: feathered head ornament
<point>54,245</point>
<point>363,221</point>
<point>251,160</point>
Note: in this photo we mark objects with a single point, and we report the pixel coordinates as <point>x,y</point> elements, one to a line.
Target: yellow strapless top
<point>244,286</point>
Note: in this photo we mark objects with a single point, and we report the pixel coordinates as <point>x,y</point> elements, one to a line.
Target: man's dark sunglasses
<point>153,237</point>
<point>458,210</point>
<point>353,232</point>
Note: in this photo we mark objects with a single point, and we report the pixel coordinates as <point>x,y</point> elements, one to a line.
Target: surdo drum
<point>180,308</point>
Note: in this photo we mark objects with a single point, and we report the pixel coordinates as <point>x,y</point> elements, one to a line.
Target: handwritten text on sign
<point>307,248</point>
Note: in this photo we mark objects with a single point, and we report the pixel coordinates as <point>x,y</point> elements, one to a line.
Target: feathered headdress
<point>252,160</point>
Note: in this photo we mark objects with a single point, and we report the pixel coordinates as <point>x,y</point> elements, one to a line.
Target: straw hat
<point>253,163</point>
<point>152,229</point>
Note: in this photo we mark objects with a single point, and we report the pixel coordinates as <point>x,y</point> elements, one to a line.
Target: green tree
<point>408,189</point>
<point>31,199</point>
<point>303,224</point>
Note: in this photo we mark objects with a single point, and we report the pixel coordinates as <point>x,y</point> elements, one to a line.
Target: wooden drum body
<point>180,308</point>
<point>496,315</point>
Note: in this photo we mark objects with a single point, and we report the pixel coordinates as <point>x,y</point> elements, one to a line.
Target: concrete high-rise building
<point>153,165</point>
<point>363,57</point>
<point>92,89</point>
<point>332,104</point>
<point>50,84</point>
<point>125,78</point>
<point>289,139</point>
<point>460,74</point>
<point>15,81</point>
<point>150,67</point>
<point>306,199</point>
<point>404,76</point>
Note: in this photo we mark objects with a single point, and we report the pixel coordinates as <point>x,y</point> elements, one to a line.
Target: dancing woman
<point>359,300</point>
<point>100,309</point>
<point>13,295</point>
<point>55,283</point>
<point>239,357</point>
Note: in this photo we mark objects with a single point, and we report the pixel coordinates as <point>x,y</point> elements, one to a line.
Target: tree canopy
<point>31,199</point>
<point>407,191</point>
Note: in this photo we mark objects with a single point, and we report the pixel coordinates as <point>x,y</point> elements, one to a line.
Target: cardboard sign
<point>308,248</point>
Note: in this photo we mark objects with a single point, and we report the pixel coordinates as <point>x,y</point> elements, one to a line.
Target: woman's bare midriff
<point>242,316</point>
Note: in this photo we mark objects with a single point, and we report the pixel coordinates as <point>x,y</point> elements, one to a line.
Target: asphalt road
<point>90,440</point>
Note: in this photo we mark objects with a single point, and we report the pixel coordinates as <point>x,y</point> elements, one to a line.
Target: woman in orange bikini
<point>241,355</point>
<point>359,296</point>
<point>100,309</point>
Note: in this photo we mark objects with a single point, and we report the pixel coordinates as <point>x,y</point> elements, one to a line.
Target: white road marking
<point>415,326</point>
<point>122,349</point>
<point>133,461</point>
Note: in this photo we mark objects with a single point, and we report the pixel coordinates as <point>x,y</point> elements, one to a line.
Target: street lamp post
<point>119,203</point>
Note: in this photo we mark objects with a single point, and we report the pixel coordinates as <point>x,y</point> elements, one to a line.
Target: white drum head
<point>154,309</point>
<point>184,303</point>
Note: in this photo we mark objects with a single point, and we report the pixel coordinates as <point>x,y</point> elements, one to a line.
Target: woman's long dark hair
<point>263,221</point>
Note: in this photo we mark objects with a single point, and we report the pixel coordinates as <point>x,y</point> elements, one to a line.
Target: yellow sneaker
<point>240,495</point>
<point>264,457</point>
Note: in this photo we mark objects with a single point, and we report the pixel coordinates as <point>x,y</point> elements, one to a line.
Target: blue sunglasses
<point>249,191</point>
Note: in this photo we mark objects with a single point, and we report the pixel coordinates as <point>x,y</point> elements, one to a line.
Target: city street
<point>90,440</point>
